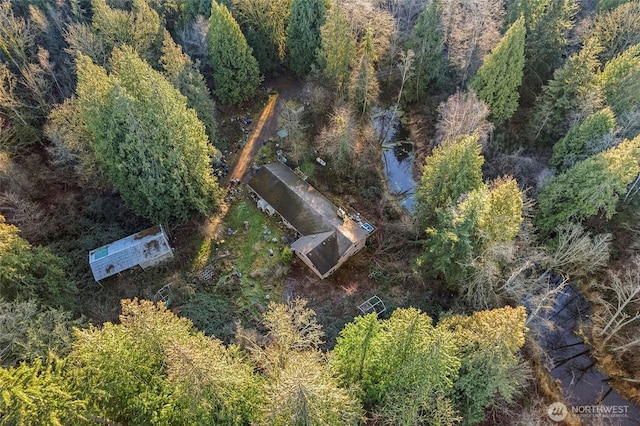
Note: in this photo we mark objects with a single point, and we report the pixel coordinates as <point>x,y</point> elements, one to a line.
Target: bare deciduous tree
<point>364,14</point>
<point>29,216</point>
<point>338,139</point>
<point>291,118</point>
<point>577,254</point>
<point>193,38</point>
<point>463,114</point>
<point>471,29</point>
<point>618,315</point>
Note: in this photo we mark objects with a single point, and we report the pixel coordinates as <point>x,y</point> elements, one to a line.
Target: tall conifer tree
<point>235,71</point>
<point>500,75</point>
<point>151,146</point>
<point>303,34</point>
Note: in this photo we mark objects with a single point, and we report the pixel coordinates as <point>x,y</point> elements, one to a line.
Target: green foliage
<point>502,214</point>
<point>562,96</point>
<point>151,146</point>
<point>303,34</point>
<point>488,342</point>
<point>31,272</point>
<point>24,81</point>
<point>338,47</point>
<point>29,332</point>
<point>184,75</point>
<point>71,147</point>
<point>413,373</point>
<point>299,388</point>
<point>305,392</point>
<point>575,145</point>
<point>454,168</point>
<point>134,371</point>
<point>264,23</point>
<point>287,255</point>
<point>488,215</point>
<point>547,23</point>
<point>364,88</point>
<point>427,44</point>
<point>210,314</point>
<point>402,365</point>
<point>617,30</point>
<point>37,394</point>
<point>590,187</point>
<point>193,8</point>
<point>235,71</point>
<point>139,29</point>
<point>609,5</point>
<point>451,242</point>
<point>500,75</point>
<point>620,81</point>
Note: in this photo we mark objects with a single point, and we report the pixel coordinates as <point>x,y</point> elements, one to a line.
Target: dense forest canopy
<point>520,124</point>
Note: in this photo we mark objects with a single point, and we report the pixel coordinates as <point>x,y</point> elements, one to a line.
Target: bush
<point>287,255</point>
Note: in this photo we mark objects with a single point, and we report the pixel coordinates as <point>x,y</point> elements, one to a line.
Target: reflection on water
<point>571,362</point>
<point>397,156</point>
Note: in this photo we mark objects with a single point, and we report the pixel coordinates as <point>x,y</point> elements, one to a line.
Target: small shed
<point>146,248</point>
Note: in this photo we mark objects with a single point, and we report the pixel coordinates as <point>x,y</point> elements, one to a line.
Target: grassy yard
<point>239,272</point>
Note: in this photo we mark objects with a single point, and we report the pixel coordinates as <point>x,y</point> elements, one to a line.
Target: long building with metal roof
<point>327,238</point>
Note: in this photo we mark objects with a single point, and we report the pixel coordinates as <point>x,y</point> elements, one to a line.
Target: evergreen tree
<point>235,71</point>
<point>575,146</point>
<point>133,371</point>
<point>502,214</point>
<point>488,215</point>
<point>304,392</point>
<point>264,24</point>
<point>592,186</point>
<point>31,272</point>
<point>29,332</point>
<point>453,169</point>
<point>24,86</point>
<point>338,47</point>
<point>620,81</point>
<point>547,23</point>
<point>364,88</point>
<point>488,342</point>
<point>563,95</point>
<point>38,394</point>
<point>303,34</point>
<point>299,388</point>
<point>184,75</point>
<point>617,30</point>
<point>402,365</point>
<point>139,29</point>
<point>500,75</point>
<point>453,238</point>
<point>151,146</point>
<point>427,44</point>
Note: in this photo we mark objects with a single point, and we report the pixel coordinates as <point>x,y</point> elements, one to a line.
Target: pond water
<point>572,364</point>
<point>397,156</point>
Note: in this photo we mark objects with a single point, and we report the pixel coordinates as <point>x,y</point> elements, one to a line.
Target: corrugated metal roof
<point>143,248</point>
<point>325,236</point>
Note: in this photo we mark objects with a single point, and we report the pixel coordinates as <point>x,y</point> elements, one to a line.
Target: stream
<point>584,386</point>
<point>397,156</point>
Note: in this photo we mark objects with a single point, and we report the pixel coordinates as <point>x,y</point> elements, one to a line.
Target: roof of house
<point>137,249</point>
<point>325,235</point>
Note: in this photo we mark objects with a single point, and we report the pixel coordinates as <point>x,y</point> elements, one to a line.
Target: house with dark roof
<point>328,236</point>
